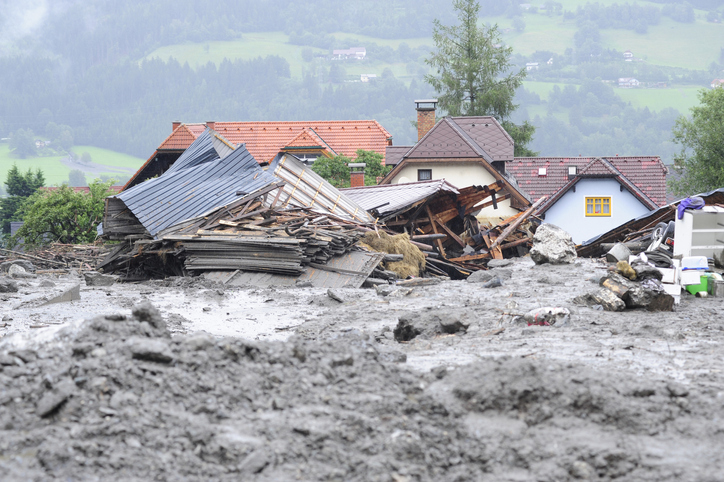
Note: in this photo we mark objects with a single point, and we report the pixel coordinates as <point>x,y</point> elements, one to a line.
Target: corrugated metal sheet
<point>390,198</point>
<point>196,184</point>
<point>347,271</point>
<point>305,188</point>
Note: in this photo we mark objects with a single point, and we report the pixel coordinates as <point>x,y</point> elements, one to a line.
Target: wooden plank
<point>434,228</point>
<point>471,257</point>
<point>514,225</point>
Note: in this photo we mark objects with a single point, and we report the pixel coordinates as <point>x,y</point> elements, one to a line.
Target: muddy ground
<point>205,382</point>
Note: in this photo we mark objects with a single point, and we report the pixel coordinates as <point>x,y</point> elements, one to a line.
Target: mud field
<point>186,379</point>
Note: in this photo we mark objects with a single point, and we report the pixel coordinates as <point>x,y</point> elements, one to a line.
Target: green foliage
<point>701,137</point>
<point>333,169</point>
<point>522,134</point>
<point>76,178</point>
<point>472,69</point>
<point>22,143</point>
<point>475,74</point>
<point>62,215</point>
<point>23,185</point>
<point>374,167</point>
<point>86,158</point>
<point>19,187</point>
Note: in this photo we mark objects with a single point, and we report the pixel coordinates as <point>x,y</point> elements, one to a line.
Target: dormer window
<point>572,170</point>
<point>542,172</point>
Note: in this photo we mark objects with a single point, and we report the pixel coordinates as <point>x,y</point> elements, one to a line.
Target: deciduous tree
<point>701,137</point>
<point>62,215</point>
<point>475,74</point>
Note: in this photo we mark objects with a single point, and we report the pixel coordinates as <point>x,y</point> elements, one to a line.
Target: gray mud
<point>138,395</point>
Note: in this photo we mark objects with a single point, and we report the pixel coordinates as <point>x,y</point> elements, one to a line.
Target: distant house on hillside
<point>367,77</point>
<point>628,56</point>
<point>628,82</point>
<point>531,66</point>
<point>307,140</point>
<point>588,196</point>
<point>357,53</point>
<point>717,83</point>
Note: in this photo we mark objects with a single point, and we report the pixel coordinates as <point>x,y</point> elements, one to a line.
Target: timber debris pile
<point>216,212</point>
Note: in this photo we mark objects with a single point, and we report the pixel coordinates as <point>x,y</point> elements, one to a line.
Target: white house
<point>717,83</point>
<point>628,56</point>
<point>590,196</point>
<point>357,53</point>
<point>628,82</point>
<point>465,151</point>
<point>531,66</point>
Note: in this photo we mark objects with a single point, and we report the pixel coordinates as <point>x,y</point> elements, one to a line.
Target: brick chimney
<point>425,116</point>
<point>210,124</point>
<point>357,174</point>
<point>175,125</point>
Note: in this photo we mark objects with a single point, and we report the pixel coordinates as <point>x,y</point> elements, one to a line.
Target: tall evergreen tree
<point>475,75</point>
<point>19,187</point>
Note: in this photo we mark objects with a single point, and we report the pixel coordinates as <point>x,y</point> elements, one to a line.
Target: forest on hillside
<point>80,67</point>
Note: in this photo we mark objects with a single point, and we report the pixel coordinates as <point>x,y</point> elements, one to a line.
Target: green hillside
<point>103,163</point>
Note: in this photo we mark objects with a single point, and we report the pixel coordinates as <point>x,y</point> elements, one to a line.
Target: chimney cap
<point>425,101</point>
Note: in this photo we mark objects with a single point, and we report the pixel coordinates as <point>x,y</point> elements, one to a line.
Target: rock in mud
<point>428,325</point>
<point>482,276</point>
<point>71,294</point>
<point>8,286</point>
<point>25,264</point>
<point>499,263</point>
<point>336,295</point>
<point>46,283</point>
<point>145,311</point>
<point>553,245</point>
<point>18,272</point>
<point>94,278</point>
<point>493,283</point>
<point>53,399</point>
<point>156,350</point>
<point>603,297</point>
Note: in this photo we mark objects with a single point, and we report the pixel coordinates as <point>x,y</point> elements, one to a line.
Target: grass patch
<point>689,45</point>
<point>251,46</point>
<point>109,158</point>
<point>394,43</point>
<point>53,170</point>
<point>679,98</point>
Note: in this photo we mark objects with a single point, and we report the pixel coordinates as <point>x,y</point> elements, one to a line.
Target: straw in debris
<point>413,262</point>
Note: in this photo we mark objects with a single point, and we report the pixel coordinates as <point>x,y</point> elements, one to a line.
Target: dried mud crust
<point>120,399</point>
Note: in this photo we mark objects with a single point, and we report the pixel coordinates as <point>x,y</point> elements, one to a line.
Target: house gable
<point>443,141</point>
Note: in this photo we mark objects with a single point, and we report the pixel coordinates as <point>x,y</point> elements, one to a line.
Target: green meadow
<point>56,172</point>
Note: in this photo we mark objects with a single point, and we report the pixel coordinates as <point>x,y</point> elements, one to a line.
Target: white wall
<point>459,174</point>
<point>569,212</point>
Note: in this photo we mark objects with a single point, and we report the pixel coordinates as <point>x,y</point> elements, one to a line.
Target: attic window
<point>572,170</point>
<point>542,171</point>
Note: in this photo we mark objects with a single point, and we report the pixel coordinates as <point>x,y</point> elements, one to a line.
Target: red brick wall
<point>357,179</point>
<point>425,121</point>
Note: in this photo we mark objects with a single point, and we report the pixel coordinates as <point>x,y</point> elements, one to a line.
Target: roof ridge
<point>470,141</point>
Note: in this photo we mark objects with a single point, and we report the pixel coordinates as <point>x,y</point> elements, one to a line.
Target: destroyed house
<point>587,196</point>
<point>307,140</point>
<point>465,151</point>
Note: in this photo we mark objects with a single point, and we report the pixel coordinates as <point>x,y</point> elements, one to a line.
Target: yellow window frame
<point>598,206</point>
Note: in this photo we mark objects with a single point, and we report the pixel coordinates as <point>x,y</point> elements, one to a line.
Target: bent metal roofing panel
<point>202,182</point>
<point>390,198</point>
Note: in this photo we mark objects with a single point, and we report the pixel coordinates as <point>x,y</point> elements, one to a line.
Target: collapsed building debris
<point>442,217</point>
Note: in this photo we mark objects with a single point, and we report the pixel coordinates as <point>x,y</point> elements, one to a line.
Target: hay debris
<point>413,263</point>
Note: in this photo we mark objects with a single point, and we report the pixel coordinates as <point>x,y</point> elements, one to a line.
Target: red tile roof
<point>264,140</point>
<point>645,176</point>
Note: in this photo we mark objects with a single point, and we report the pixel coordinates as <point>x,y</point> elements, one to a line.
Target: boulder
<point>604,297</point>
<point>93,278</point>
<point>7,285</point>
<point>429,325</point>
<point>552,244</point>
<point>156,350</point>
<point>499,263</point>
<point>25,264</point>
<point>18,272</point>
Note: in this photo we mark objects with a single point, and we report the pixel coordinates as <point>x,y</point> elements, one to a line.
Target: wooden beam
<point>514,225</point>
<point>434,228</point>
